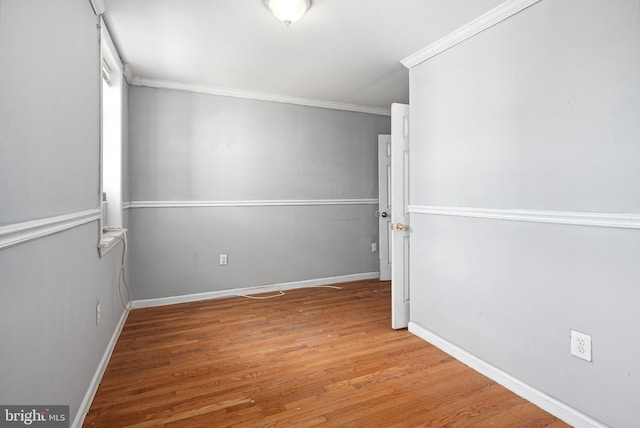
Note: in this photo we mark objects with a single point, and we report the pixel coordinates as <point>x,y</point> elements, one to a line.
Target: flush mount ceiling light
<point>288,11</point>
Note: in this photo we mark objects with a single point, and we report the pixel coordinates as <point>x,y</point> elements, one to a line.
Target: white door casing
<point>384,206</point>
<point>400,216</point>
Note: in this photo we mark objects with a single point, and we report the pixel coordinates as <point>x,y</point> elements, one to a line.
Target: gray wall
<point>49,157</point>
<point>541,112</point>
<point>41,71</point>
<point>195,147</point>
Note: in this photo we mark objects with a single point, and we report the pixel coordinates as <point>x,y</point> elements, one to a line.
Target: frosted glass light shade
<point>288,11</point>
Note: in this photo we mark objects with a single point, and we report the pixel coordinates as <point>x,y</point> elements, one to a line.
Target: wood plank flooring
<point>313,357</point>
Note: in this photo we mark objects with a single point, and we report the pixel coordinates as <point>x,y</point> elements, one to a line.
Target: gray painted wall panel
<point>542,111</point>
<point>539,112</point>
<point>195,147</point>
<point>175,250</point>
<point>188,146</point>
<point>48,294</point>
<point>510,292</point>
<point>49,158</point>
<point>46,123</point>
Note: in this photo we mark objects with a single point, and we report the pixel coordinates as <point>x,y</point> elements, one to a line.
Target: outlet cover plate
<point>581,345</point>
<point>98,312</point>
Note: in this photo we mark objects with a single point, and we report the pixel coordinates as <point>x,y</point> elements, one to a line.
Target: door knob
<point>400,226</point>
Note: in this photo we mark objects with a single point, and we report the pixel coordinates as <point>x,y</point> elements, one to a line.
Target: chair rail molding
<point>624,221</point>
<point>18,233</point>
<point>256,203</point>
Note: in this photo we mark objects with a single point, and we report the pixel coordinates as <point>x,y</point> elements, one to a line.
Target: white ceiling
<point>342,51</point>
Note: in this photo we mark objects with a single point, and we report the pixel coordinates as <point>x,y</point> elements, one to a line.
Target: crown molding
<point>261,203</point>
<point>489,19</point>
<point>14,234</point>
<point>98,6</point>
<point>261,96</point>
<point>128,74</point>
<point>621,221</point>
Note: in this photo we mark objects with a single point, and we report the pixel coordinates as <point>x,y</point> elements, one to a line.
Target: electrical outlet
<point>224,259</point>
<point>374,247</point>
<point>581,345</point>
<point>98,312</point>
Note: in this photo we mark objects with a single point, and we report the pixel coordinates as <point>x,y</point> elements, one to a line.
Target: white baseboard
<point>102,366</point>
<point>147,303</point>
<point>97,377</point>
<point>537,397</point>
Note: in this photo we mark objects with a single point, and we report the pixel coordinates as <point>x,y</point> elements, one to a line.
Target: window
<point>112,98</point>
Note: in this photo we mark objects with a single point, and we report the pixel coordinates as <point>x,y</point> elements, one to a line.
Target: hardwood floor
<point>316,356</point>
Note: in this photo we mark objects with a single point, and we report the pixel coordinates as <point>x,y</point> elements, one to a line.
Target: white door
<point>400,215</point>
<point>384,206</point>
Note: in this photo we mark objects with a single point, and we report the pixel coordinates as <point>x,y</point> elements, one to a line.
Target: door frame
<point>400,221</point>
<point>384,206</point>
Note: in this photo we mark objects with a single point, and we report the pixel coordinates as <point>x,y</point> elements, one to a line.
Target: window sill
<point>109,240</point>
